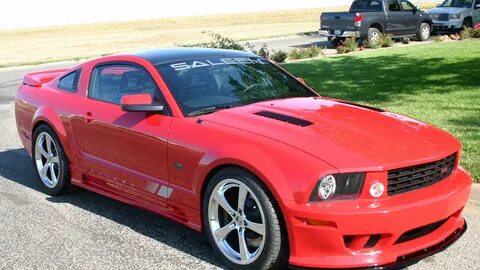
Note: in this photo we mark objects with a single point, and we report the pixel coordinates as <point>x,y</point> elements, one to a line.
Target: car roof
<point>167,55</point>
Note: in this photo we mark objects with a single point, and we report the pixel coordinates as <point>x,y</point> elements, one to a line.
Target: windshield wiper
<point>210,110</point>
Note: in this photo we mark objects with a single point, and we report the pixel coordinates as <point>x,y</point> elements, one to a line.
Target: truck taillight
<point>358,19</point>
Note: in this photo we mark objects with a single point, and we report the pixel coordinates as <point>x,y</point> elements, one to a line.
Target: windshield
<point>457,3</point>
<point>366,6</point>
<point>208,84</point>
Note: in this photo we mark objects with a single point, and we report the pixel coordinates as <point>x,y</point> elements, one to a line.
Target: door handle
<point>88,117</point>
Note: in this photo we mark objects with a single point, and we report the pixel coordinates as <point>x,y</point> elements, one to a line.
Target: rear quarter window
<point>69,82</point>
<point>366,6</point>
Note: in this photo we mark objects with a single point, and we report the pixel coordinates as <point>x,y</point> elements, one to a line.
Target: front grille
<point>419,176</point>
<point>444,17</point>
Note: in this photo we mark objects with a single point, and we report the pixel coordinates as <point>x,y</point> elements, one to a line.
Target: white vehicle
<point>455,14</point>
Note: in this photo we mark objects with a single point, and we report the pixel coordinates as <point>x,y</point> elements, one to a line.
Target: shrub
<point>466,33</point>
<point>438,38</point>
<point>264,51</point>
<point>220,42</point>
<point>351,44</point>
<point>278,56</point>
<point>372,45</point>
<point>342,49</point>
<point>295,53</point>
<point>476,31</point>
<point>387,41</point>
<point>302,53</point>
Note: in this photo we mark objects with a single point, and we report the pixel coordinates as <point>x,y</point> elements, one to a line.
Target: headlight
<point>338,187</point>
<point>435,16</point>
<point>455,16</point>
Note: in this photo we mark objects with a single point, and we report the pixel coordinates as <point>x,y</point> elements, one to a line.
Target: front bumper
<point>447,25</point>
<point>339,234</point>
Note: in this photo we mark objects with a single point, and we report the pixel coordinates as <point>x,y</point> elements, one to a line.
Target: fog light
<point>377,189</point>
<point>327,187</point>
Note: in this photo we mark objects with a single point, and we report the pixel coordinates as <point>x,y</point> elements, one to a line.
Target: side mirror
<point>301,80</point>
<point>139,103</point>
<point>416,9</point>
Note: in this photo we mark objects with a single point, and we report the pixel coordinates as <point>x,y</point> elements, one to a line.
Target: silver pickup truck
<point>455,14</point>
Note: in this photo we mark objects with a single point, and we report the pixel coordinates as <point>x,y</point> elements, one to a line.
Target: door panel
<point>122,151</point>
<point>395,18</point>
<point>476,13</point>
<point>411,18</point>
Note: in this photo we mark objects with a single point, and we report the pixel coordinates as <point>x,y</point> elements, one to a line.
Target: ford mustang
<point>231,144</point>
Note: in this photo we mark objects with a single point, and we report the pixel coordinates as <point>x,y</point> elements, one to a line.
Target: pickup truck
<point>369,19</point>
<point>455,15</point>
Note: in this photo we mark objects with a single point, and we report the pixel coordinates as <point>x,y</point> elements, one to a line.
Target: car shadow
<point>16,166</point>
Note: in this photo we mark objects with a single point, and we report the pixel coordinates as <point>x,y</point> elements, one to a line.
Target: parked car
<point>228,143</point>
<point>368,19</point>
<point>455,15</point>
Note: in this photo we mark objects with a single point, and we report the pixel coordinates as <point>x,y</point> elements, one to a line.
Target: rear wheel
<point>242,223</point>
<point>374,36</point>
<point>424,32</point>
<point>50,160</point>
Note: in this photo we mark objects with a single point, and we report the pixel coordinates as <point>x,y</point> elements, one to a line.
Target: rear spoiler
<point>36,79</point>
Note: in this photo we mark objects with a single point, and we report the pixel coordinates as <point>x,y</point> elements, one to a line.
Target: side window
<point>407,6</point>
<point>69,82</point>
<point>110,83</point>
<point>393,5</point>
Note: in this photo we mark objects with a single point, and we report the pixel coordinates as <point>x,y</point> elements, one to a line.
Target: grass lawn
<point>437,83</point>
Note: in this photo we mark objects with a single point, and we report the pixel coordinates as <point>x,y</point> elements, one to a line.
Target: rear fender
<point>49,116</point>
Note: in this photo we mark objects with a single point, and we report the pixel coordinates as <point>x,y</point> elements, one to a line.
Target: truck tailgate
<point>337,21</point>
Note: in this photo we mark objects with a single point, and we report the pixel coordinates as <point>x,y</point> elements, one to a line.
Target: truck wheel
<point>467,23</point>
<point>424,32</point>
<point>242,223</point>
<point>373,35</point>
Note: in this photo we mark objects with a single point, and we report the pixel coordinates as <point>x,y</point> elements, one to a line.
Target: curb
<point>475,193</point>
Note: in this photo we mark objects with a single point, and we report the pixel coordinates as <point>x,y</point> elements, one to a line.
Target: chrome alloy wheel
<point>374,37</point>
<point>237,221</point>
<point>425,32</point>
<point>47,159</point>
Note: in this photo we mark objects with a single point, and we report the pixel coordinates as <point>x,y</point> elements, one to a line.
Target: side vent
<point>285,118</point>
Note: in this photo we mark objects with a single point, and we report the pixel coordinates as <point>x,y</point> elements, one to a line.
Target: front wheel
<point>467,23</point>
<point>424,32</point>
<point>242,222</point>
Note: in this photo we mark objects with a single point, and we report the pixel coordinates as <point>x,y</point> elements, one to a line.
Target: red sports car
<point>229,143</point>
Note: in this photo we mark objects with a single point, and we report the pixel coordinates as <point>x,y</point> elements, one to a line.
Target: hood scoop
<point>285,118</point>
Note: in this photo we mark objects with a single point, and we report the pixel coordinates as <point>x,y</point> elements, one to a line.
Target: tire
<point>373,35</point>
<point>47,149</point>
<point>467,23</point>
<point>424,32</point>
<point>267,248</point>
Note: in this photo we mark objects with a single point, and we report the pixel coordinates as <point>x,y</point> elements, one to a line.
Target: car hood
<point>443,10</point>
<point>345,135</point>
